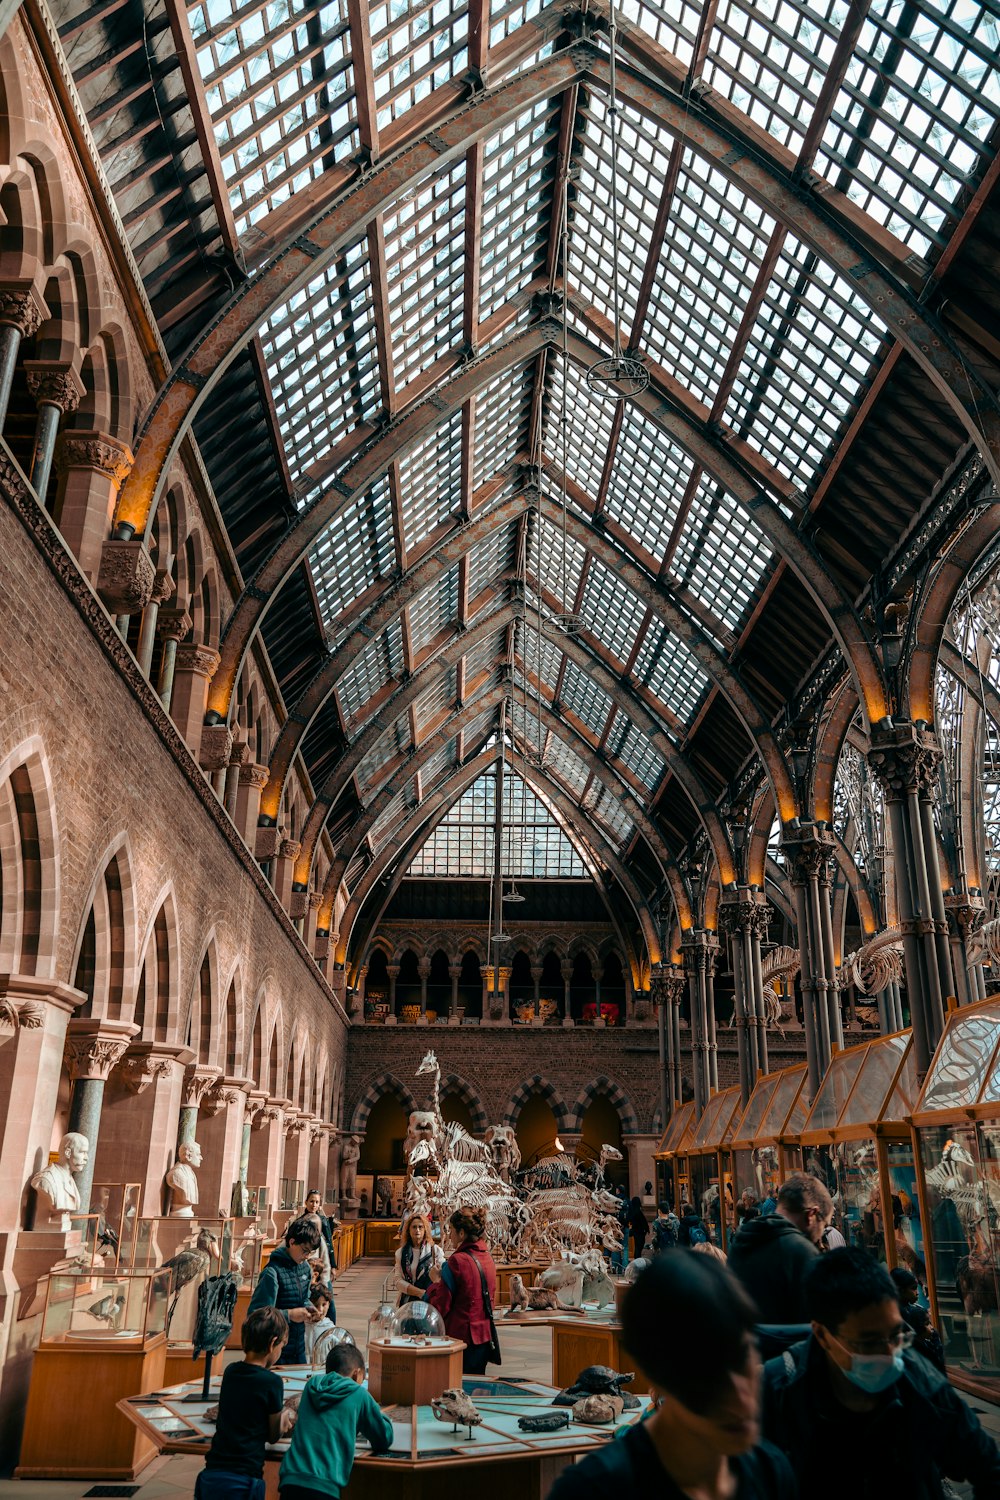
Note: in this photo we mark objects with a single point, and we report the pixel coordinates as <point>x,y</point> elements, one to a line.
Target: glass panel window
<point>533,844</point>
<point>962,1061</point>
<point>430,481</point>
<point>517,196</point>
<point>355,551</point>
<point>417,45</point>
<point>425,260</point>
<point>503,413</point>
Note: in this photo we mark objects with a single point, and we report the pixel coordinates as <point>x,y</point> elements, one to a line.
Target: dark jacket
<point>920,1432</point>
<point>631,1466</point>
<point>284,1285</point>
<point>333,1410</point>
<point>770,1257</point>
<point>458,1296</point>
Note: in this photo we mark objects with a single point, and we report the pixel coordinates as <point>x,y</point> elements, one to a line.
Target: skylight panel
<point>667,668</point>
<point>322,360</point>
<point>549,566</point>
<point>380,663</point>
<point>489,558</point>
<point>674,26</point>
<point>722,554</point>
<point>923,128</point>
<point>385,749</point>
<point>547,664</point>
<point>643,159</point>
<point>441,697</point>
<point>585,699</point>
<point>430,480</point>
<point>707,270</point>
<point>507,15</point>
<point>388,822</point>
<point>417,45</point>
<point>811,352</point>
<point>611,611</point>
<point>568,768</point>
<point>433,610</point>
<point>503,413</point>
<point>609,813</point>
<point>425,259</point>
<point>517,192</point>
<point>279,86</point>
<point>647,485</point>
<point>353,553</point>
<point>770,58</point>
<point>629,745</point>
<point>482,655</point>
<point>589,422</point>
<point>532,845</point>
<point>434,771</point>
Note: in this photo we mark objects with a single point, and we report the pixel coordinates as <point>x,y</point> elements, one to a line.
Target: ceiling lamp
<point>623,375</point>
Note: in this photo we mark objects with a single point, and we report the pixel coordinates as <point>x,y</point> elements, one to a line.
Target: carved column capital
<point>135,1073</point>
<point>223,1093</point>
<point>905,759</point>
<point>252,774</point>
<point>289,849</point>
<point>198,1079</point>
<point>216,747</point>
<point>965,913</point>
<point>54,384</point>
<point>126,576</point>
<point>94,1047</point>
<point>23,307</point>
<point>173,624</point>
<point>667,986</point>
<point>809,853</point>
<point>196,657</point>
<point>96,451</point>
<point>256,1099</point>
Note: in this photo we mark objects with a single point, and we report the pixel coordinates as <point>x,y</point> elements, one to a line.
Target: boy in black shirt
<point>250,1413</point>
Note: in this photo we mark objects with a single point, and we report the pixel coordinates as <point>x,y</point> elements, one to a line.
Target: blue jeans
<point>219,1484</point>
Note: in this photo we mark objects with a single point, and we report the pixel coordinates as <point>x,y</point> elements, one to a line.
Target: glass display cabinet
<point>291,1194</point>
<point>710,1186</point>
<point>105,1306</point>
<point>857,1139</point>
<point>116,1205</point>
<point>189,1251</point>
<point>956,1130</point>
<point>762,1146</point>
<point>664,1153</point>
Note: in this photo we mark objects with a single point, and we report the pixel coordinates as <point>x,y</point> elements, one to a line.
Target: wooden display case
<point>401,1373</point>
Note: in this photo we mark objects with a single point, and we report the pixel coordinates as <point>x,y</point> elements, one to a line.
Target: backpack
<point>665,1232</point>
<point>697,1235</point>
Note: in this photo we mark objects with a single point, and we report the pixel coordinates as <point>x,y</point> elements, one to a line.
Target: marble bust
<point>183,1182</point>
<point>58,1194</point>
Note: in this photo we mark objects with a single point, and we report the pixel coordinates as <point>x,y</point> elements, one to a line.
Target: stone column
<point>906,758</point>
<point>333,1164</point>
<point>597,973</point>
<point>284,870</point>
<point>172,625</point>
<point>198,1079</point>
<point>393,972</point>
<point>139,1120</point>
<point>424,970</point>
<point>22,313</point>
<point>252,781</point>
<point>254,1103</point>
<point>92,467</point>
<point>93,1048</point>
<point>319,1152</point>
<point>566,970</point>
<point>809,850</point>
<point>296,1165</point>
<point>194,668</point>
<point>163,587</point>
<point>57,390</point>
<point>696,948</point>
<point>711,959</point>
<point>239,756</point>
<point>641,1166</point>
<point>536,980</point>
<point>314,901</point>
<point>220,1135</point>
<point>455,974</point>
<point>966,914</point>
<point>213,756</point>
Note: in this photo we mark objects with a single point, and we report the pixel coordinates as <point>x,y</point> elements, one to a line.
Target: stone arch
<point>460,1088</point>
<point>231,1040</point>
<point>29,863</point>
<point>104,959</point>
<point>203,1017</point>
<point>157,1008</point>
<point>59,338</point>
<point>385,1083</point>
<point>23,244</point>
<point>615,1095</point>
<point>538,1084</point>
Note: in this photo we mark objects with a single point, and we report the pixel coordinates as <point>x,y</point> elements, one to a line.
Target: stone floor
<point>526,1352</point>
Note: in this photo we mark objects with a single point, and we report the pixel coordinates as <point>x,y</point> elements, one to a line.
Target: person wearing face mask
<point>689,1326</point>
<point>855,1387</point>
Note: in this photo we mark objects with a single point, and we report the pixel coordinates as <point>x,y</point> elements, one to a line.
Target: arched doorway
<point>536,1129</point>
<point>602,1126</point>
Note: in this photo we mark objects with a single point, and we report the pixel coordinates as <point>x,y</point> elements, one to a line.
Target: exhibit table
<point>401,1372</point>
<point>591,1336</point>
<point>427,1461</point>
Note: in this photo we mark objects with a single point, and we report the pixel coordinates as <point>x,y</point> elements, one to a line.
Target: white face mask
<point>873,1372</point>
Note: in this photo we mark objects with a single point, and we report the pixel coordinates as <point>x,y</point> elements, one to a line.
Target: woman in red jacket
<point>457,1292</point>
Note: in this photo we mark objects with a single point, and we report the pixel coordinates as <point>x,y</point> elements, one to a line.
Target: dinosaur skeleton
<point>875,965</point>
<point>779,967</point>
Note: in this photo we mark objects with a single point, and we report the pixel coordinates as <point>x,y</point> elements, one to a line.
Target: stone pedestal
<point>92,467</point>
<point>641,1166</point>
<point>409,1374</point>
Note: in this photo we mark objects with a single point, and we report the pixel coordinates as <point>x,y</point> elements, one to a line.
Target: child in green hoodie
<point>333,1410</point>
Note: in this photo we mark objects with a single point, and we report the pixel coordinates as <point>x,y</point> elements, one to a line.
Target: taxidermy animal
<point>518,1294</point>
<point>456,1407</point>
<point>566,1280</point>
<point>549,1421</point>
<point>187,1265</point>
<point>109,1309</point>
<point>599,1380</point>
<point>597,1285</point>
<point>599,1409</point>
<point>216,1306</point>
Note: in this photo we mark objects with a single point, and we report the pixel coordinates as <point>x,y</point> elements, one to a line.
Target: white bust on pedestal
<point>58,1194</point>
<point>183,1182</point>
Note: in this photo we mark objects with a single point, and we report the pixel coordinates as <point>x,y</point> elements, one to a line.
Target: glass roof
<point>532,844</point>
<point>860,1087</point>
<point>754,337</point>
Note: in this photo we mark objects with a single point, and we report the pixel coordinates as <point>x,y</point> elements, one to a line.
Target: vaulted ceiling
<point>439,516</point>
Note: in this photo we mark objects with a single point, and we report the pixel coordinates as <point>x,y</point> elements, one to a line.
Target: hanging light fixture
<point>513,895</point>
<point>622,375</point>
<point>566,619</point>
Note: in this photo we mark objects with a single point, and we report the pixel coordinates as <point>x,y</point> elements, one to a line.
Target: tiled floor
<point>526,1352</point>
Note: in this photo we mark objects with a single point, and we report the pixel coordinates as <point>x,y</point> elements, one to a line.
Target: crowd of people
<point>799,1368</point>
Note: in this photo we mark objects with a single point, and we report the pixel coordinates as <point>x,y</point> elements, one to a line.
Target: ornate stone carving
<point>93,1056</point>
<point>295,1124</point>
<point>163,587</point>
<point>252,774</point>
<point>218,1098</point>
<point>22,307</point>
<point>809,855</point>
<point>290,849</point>
<point>136,1073</point>
<point>173,624</point>
<point>906,760</point>
<point>965,913</point>
<point>216,747</point>
<point>53,385</point>
<point>268,1114</point>
<point>126,576</point>
<point>95,450</point>
<point>267,842</point>
<point>298,905</point>
<point>667,986</point>
<point>194,656</point>
<point>197,1082</point>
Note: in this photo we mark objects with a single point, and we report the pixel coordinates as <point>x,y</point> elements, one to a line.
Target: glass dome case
<point>419,1320</point>
<point>326,1341</point>
<point>381,1324</point>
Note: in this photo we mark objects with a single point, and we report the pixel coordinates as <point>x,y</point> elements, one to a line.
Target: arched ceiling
<point>346,216</point>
